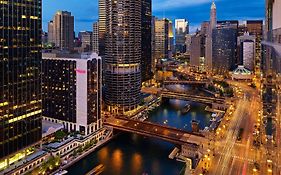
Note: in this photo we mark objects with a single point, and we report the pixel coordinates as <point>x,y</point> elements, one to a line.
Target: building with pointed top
<point>212,26</point>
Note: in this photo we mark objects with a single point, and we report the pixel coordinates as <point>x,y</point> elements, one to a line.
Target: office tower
<point>246,50</point>
<point>248,47</point>
<point>61,29</point>
<point>182,28</point>
<point>197,52</point>
<point>146,46</point>
<point>51,32</point>
<point>171,40</point>
<point>209,42</point>
<point>123,55</point>
<point>255,27</point>
<point>224,49</point>
<point>188,43</point>
<point>86,38</point>
<point>153,61</point>
<point>71,91</point>
<point>102,26</point>
<point>161,39</point>
<point>95,39</point>
<point>20,79</point>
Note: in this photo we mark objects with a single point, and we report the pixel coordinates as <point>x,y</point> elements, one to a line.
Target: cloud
<point>171,4</point>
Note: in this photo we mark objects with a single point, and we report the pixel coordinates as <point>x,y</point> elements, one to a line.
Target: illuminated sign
<point>80,71</point>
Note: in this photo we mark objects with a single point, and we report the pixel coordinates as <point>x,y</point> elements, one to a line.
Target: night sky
<point>195,11</point>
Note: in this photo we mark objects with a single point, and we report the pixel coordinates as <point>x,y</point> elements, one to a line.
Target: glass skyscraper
<point>146,36</point>
<point>20,76</point>
<point>224,41</point>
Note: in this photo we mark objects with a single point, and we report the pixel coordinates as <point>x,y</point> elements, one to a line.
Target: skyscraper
<point>182,28</point>
<point>62,30</point>
<point>161,40</point>
<point>209,42</point>
<point>171,47</point>
<point>213,15</point>
<point>102,26</point>
<point>123,55</point>
<point>255,27</point>
<point>197,51</point>
<point>146,46</point>
<point>71,91</point>
<point>20,79</point>
<point>95,39</point>
<point>224,42</point>
<point>188,38</point>
<point>246,50</point>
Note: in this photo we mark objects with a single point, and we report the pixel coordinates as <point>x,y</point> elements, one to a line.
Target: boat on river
<point>185,109</point>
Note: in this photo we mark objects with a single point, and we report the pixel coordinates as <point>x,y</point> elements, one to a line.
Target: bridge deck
<point>192,97</point>
<point>169,134</point>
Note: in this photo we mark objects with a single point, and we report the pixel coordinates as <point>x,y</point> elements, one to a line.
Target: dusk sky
<point>195,11</point>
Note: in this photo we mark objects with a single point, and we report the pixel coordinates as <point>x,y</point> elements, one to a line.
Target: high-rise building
<point>246,50</point>
<point>171,40</point>
<point>95,39</point>
<point>86,38</point>
<point>161,45</point>
<point>102,26</point>
<point>123,55</point>
<point>51,32</point>
<point>224,43</point>
<point>248,54</point>
<point>61,29</point>
<point>188,43</point>
<point>182,28</point>
<point>197,52</point>
<point>213,15</point>
<point>209,42</point>
<point>153,61</point>
<point>20,79</point>
<point>146,46</point>
<point>255,27</point>
<point>71,91</point>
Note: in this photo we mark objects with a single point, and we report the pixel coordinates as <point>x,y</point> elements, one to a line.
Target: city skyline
<point>138,92</point>
<point>194,11</point>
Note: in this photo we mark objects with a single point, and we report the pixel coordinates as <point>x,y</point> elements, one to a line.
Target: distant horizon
<point>195,11</point>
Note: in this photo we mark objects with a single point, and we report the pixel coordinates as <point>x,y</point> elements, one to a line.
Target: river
<point>131,154</point>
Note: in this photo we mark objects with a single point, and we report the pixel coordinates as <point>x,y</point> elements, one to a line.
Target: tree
<point>59,135</point>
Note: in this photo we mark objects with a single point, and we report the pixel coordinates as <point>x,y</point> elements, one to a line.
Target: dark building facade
<point>102,27</point>
<point>20,76</point>
<point>146,37</point>
<point>197,53</point>
<point>71,91</point>
<point>224,49</point>
<point>123,55</point>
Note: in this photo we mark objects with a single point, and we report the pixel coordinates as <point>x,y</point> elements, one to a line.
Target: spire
<point>213,5</point>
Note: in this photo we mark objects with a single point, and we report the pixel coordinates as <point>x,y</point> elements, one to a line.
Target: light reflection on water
<point>131,154</point>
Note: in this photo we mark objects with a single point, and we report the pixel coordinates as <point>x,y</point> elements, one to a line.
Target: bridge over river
<point>148,129</point>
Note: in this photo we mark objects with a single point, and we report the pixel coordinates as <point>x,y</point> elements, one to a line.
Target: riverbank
<point>75,160</point>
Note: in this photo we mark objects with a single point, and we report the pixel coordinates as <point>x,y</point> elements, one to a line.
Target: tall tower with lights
<point>212,26</point>
<point>20,79</point>
<point>123,55</point>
